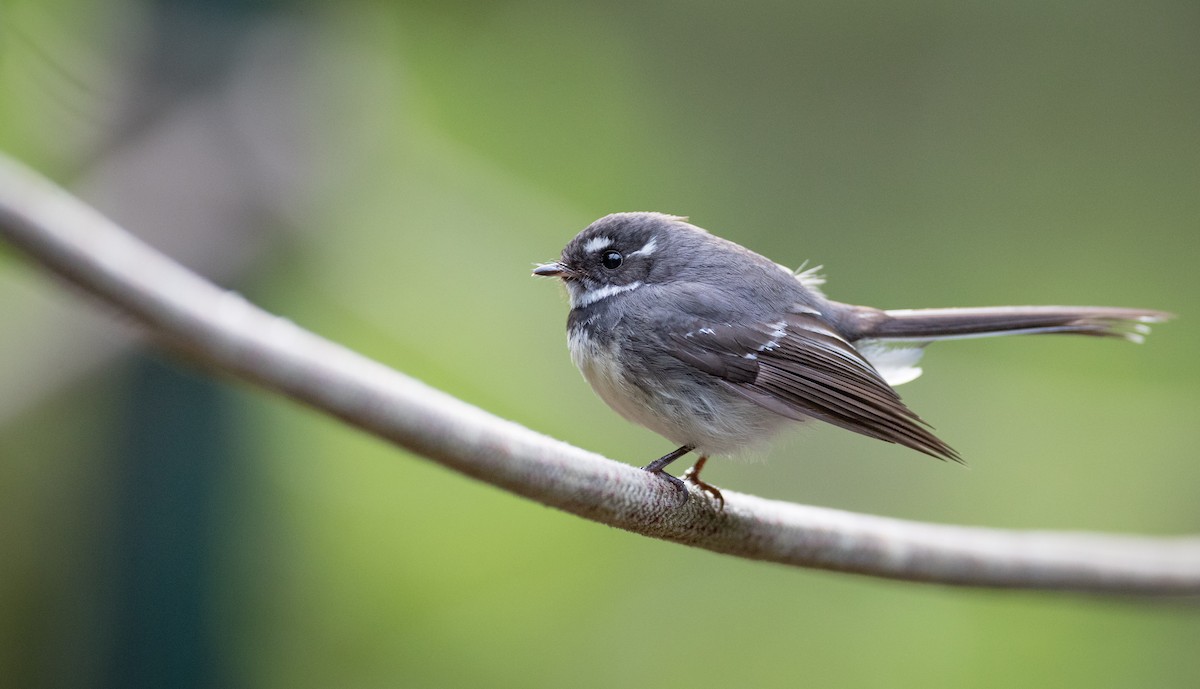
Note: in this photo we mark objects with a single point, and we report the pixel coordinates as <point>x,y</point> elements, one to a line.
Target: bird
<point>718,348</point>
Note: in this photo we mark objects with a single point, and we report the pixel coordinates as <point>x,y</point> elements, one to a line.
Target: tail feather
<point>893,341</point>
<point>960,323</point>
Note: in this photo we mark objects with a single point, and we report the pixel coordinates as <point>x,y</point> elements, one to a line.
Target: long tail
<point>946,324</point>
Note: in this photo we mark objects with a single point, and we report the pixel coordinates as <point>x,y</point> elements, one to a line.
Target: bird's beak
<point>553,270</point>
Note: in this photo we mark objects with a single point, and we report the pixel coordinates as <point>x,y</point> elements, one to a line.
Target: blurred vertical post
<point>198,145</point>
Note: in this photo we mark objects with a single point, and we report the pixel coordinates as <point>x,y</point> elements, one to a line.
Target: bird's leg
<point>657,466</point>
<point>693,476</point>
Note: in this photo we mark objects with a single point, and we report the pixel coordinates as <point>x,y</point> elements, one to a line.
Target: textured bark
<point>223,332</point>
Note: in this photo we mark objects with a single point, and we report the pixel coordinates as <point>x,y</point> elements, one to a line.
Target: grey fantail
<point>717,348</point>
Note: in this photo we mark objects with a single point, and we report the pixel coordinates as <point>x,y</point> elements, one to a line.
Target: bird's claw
<point>692,476</point>
<point>677,483</point>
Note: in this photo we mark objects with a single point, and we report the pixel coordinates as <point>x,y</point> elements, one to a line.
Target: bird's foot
<point>693,476</point>
<point>674,481</point>
<point>656,467</point>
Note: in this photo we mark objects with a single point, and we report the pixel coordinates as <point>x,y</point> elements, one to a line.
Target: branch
<point>224,332</point>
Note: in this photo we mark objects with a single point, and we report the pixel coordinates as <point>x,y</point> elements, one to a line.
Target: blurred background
<point>385,174</point>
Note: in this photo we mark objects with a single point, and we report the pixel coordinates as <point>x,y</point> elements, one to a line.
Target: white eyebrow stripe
<point>592,296</point>
<point>597,243</point>
<point>648,248</point>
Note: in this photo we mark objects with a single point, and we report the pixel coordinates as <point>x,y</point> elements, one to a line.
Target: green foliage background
<point>927,153</point>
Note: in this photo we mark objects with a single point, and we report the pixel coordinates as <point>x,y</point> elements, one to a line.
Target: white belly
<point>717,422</point>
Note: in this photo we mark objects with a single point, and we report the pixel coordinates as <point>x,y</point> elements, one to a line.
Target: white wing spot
<point>708,331</point>
<point>780,330</point>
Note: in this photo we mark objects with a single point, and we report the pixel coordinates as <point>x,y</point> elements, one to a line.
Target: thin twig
<point>224,332</point>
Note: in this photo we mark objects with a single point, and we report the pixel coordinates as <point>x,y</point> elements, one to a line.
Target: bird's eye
<point>612,260</point>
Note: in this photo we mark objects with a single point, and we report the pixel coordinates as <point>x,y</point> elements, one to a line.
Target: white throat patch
<point>587,297</point>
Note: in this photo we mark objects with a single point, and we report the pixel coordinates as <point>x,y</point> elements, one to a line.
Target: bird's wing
<point>799,367</point>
